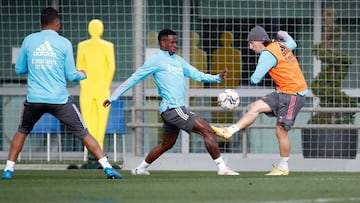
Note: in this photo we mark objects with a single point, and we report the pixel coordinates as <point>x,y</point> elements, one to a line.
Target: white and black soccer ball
<point>228,99</point>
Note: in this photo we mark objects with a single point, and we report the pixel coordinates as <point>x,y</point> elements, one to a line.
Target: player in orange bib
<point>277,59</point>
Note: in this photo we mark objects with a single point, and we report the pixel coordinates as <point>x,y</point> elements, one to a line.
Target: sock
<point>143,164</point>
<point>10,165</point>
<point>233,128</point>
<point>220,163</point>
<point>283,163</point>
<point>104,162</point>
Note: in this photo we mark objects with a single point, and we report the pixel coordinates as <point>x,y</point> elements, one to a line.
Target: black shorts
<point>67,113</point>
<point>285,107</point>
<point>176,119</point>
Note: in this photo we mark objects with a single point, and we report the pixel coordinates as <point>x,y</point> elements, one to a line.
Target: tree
<point>335,66</point>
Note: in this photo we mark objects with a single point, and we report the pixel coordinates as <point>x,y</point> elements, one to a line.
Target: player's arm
<point>193,73</point>
<point>265,63</point>
<point>21,62</point>
<point>139,75</point>
<point>70,71</point>
<point>121,89</point>
<point>289,41</point>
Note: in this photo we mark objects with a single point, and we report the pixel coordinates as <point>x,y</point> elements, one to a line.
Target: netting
<point>212,35</point>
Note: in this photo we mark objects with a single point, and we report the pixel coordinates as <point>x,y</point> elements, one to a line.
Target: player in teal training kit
<point>47,58</point>
<point>169,72</point>
<point>277,59</point>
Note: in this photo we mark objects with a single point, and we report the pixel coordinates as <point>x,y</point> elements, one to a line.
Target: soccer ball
<point>228,99</point>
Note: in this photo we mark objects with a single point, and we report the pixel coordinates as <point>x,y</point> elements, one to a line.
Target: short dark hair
<point>267,42</point>
<point>165,33</point>
<point>48,16</point>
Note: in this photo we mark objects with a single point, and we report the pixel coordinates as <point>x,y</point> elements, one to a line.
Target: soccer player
<point>47,58</point>
<point>277,59</point>
<point>169,72</point>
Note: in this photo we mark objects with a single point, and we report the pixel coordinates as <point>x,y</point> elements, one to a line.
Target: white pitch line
<point>318,200</point>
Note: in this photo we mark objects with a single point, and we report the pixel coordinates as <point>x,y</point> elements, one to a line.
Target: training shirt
<point>48,60</point>
<point>275,59</point>
<point>169,73</point>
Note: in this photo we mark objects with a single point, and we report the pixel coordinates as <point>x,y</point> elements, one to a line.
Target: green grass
<point>179,186</point>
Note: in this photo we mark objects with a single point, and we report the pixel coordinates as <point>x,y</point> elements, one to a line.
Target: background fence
<point>212,35</point>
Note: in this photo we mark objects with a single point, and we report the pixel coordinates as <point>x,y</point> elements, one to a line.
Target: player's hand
<point>82,73</point>
<point>223,74</point>
<point>106,103</point>
<point>282,35</point>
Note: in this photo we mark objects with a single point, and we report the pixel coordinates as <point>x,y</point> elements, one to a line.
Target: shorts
<point>176,119</point>
<point>67,113</point>
<point>285,107</point>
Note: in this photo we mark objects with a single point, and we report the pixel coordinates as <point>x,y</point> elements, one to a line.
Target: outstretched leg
<point>16,146</point>
<point>203,128</point>
<point>166,144</point>
<point>254,110</point>
<point>93,146</point>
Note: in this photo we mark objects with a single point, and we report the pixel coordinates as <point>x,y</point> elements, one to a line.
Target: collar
<point>167,53</point>
<point>49,31</point>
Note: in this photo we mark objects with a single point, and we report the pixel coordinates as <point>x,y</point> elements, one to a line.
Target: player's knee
<point>282,129</point>
<point>284,124</point>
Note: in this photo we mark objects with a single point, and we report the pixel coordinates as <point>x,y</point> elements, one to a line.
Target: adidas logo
<point>44,49</point>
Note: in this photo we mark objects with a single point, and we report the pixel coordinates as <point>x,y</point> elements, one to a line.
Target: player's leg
<point>31,113</point>
<point>286,115</point>
<point>71,117</point>
<point>167,143</point>
<point>253,111</point>
<point>284,141</point>
<point>16,146</point>
<point>93,146</point>
<point>203,128</point>
<point>282,169</point>
<point>170,135</point>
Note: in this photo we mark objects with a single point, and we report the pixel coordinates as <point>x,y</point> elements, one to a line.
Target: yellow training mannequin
<point>151,48</point>
<point>95,56</point>
<point>197,58</point>
<point>228,57</point>
<point>152,40</point>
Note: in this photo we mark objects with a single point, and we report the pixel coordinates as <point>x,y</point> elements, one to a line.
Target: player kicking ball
<point>277,59</point>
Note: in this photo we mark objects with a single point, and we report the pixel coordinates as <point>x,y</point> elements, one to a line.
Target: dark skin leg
<point>167,143</point>
<point>201,127</point>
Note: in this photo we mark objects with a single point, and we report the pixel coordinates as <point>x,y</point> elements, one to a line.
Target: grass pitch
<point>179,186</point>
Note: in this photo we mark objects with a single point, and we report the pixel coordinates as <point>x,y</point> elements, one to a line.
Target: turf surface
<point>179,186</point>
